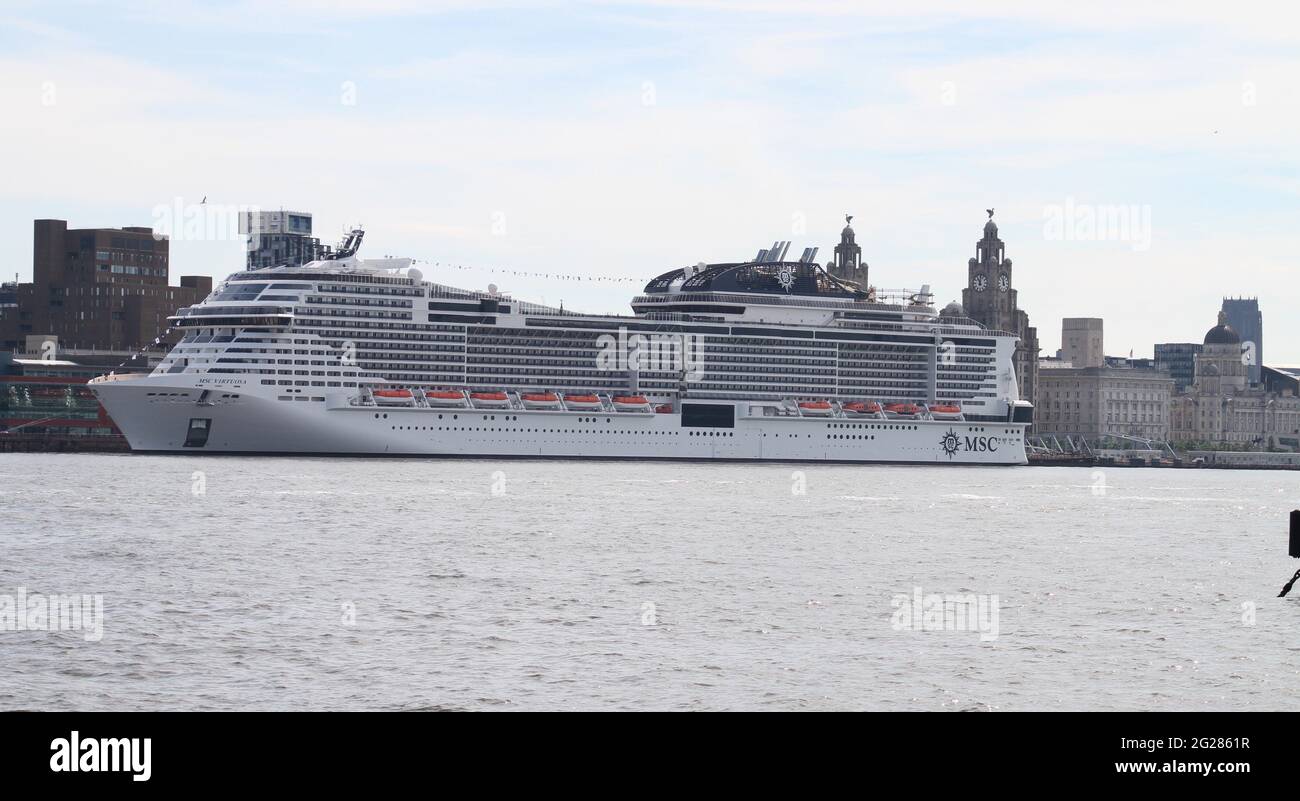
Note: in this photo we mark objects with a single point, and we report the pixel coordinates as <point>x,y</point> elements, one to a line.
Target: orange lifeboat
<point>448,398</point>
<point>582,402</point>
<point>631,403</point>
<point>490,400</point>
<point>393,397</point>
<point>904,410</point>
<point>819,408</point>
<point>945,411</point>
<point>861,407</point>
<point>540,400</point>
<point>664,408</point>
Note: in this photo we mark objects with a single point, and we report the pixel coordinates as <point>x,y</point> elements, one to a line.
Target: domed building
<point>1222,407</point>
<point>1220,366</point>
<point>1222,334</point>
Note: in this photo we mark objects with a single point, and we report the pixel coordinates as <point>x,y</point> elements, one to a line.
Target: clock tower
<point>990,299</point>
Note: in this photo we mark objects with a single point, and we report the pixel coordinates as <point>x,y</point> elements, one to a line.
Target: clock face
<point>981,283</point>
<point>1004,283</point>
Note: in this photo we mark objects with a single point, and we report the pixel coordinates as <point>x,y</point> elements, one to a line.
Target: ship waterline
<point>749,361</point>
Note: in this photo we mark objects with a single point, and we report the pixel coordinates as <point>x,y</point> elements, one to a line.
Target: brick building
<point>97,288</point>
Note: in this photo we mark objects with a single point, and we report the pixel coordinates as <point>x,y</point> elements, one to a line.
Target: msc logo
<point>953,442</point>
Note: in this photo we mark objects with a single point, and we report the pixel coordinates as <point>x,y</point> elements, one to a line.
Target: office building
<point>97,288</point>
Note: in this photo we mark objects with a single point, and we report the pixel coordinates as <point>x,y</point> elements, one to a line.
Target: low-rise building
<point>1094,402</point>
<point>43,390</point>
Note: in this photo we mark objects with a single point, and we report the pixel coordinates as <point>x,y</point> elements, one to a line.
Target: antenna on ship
<point>351,244</point>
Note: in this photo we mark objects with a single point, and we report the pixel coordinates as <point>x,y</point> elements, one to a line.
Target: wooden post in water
<point>1294,550</point>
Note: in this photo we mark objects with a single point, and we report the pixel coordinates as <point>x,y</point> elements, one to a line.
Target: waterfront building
<point>1280,378</point>
<point>49,397</point>
<point>280,239</point>
<point>1140,363</point>
<point>97,288</point>
<point>1096,402</point>
<point>1222,406</point>
<point>991,299</point>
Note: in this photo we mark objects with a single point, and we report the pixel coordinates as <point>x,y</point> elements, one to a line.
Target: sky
<point>1143,159</point>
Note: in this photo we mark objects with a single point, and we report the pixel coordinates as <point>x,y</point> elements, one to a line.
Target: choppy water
<point>383,584</point>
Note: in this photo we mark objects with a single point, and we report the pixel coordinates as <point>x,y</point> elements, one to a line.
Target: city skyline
<point>615,142</point>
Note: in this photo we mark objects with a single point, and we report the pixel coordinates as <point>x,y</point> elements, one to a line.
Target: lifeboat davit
<point>631,403</point>
<point>907,411</point>
<point>945,411</point>
<point>819,408</point>
<point>856,408</point>
<point>446,398</point>
<point>582,402</point>
<point>540,400</point>
<point>490,400</point>
<point>393,397</point>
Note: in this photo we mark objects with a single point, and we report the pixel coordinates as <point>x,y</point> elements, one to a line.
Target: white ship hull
<point>158,414</point>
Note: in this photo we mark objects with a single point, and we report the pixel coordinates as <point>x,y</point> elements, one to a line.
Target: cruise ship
<point>767,359</point>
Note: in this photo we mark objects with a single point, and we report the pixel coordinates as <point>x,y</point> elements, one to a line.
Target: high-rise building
<point>1081,341</point>
<point>1179,360</point>
<point>97,288</point>
<point>280,239</point>
<point>1246,319</point>
<point>990,299</point>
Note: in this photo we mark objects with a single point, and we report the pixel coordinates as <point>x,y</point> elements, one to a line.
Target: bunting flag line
<point>156,341</point>
<point>555,276</point>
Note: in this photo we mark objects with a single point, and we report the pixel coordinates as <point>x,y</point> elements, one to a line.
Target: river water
<point>327,583</point>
